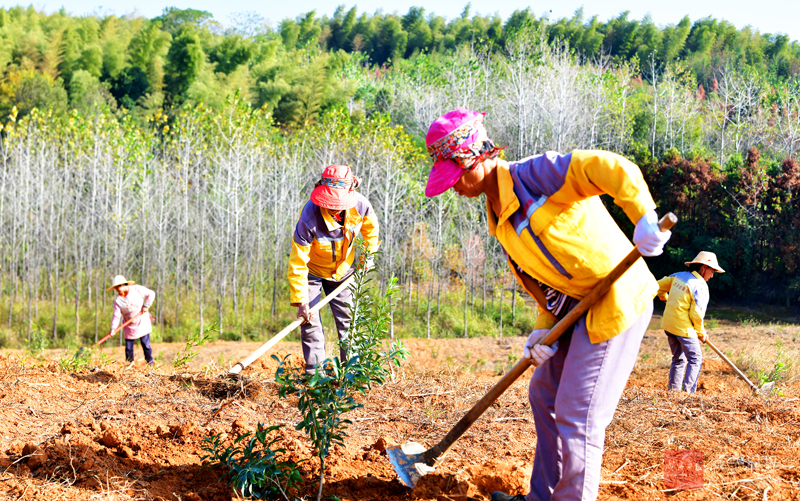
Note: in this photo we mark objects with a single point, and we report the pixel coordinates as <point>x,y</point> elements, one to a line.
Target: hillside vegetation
<point>179,152</point>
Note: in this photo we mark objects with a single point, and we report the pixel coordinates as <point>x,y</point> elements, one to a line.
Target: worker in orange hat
<point>322,254</point>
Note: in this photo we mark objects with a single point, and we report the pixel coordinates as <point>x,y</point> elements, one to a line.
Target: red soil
<point>131,433</point>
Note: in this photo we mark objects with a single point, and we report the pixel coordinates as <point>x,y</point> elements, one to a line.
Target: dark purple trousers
<point>148,352</point>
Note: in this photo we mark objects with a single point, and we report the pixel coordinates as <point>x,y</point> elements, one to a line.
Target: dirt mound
<point>222,388</point>
<point>507,476</point>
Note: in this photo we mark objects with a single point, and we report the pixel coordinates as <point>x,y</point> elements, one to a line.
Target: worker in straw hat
<point>686,295</point>
<point>132,302</point>
<point>322,255</point>
<point>546,212</point>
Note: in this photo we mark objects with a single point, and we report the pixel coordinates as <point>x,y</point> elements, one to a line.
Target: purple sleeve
<point>302,232</point>
<point>543,174</point>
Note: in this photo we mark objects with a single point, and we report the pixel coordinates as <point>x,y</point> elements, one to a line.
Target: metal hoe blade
<point>409,462</point>
<point>766,389</point>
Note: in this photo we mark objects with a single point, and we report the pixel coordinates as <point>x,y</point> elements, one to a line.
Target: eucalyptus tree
<point>235,153</point>
<point>735,109</point>
<point>466,230</point>
<point>288,187</point>
<point>679,110</point>
<point>186,142</point>
<point>785,117</point>
<point>438,211</point>
<point>560,101</point>
<point>518,83</point>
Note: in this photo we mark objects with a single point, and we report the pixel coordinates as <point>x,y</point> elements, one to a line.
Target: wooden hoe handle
<point>119,328</point>
<point>435,452</point>
<point>236,369</point>
<point>735,369</point>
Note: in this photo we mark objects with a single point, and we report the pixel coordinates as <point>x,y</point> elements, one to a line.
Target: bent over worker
<point>132,300</point>
<point>546,212</point>
<point>322,255</point>
<point>686,295</point>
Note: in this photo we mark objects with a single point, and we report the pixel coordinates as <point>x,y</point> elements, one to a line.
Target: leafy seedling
<point>329,393</point>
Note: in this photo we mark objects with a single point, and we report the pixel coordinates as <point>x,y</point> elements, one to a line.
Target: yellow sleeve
<point>298,272</point>
<point>664,286</point>
<point>696,316</point>
<point>545,320</point>
<point>595,172</point>
<point>369,231</point>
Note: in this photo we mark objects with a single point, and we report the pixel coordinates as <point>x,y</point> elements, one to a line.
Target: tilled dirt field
<point>121,432</point>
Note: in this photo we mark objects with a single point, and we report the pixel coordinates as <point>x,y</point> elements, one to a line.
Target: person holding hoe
<point>560,241</point>
<point>132,304</point>
<point>686,295</point>
<point>323,250</point>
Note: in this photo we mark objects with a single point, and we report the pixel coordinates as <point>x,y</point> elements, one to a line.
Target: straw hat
<point>120,280</point>
<point>707,258</point>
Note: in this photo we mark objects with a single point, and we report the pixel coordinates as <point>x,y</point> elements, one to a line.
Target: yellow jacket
<point>686,295</point>
<point>324,248</point>
<point>555,227</point>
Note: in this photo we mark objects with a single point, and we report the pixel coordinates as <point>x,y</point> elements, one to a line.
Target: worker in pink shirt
<point>132,300</point>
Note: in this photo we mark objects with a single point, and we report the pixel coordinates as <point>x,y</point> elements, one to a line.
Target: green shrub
<point>39,341</point>
<point>256,466</point>
<point>81,359</point>
<point>187,354</point>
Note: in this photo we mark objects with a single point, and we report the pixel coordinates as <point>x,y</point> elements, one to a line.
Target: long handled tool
<point>411,461</point>
<point>763,391</point>
<point>236,369</point>
<point>119,329</point>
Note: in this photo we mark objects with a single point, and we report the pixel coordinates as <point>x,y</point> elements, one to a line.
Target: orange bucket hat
<point>336,189</point>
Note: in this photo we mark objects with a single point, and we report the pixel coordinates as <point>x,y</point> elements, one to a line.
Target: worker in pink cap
<point>546,212</point>
<point>322,254</point>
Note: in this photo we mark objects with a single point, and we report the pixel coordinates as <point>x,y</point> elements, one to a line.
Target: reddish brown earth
<point>123,432</point>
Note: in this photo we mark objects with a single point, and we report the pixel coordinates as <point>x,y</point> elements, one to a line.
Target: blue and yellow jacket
<point>686,295</point>
<point>324,248</point>
<point>554,226</point>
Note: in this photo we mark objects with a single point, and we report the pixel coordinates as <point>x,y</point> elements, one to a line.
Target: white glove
<point>370,264</point>
<point>648,237</point>
<point>538,353</point>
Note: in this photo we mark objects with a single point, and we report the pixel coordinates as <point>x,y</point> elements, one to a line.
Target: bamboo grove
<point>195,192</point>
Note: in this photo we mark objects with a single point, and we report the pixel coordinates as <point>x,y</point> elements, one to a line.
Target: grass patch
<point>767,362</point>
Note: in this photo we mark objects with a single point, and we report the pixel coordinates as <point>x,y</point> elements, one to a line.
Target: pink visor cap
<point>449,135</point>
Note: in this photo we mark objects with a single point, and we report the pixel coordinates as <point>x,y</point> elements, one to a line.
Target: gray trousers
<point>687,357</point>
<point>312,333</point>
<point>573,397</point>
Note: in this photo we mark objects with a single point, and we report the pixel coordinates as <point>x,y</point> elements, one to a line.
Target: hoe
<point>119,328</point>
<point>236,369</point>
<point>411,460</point>
<point>81,349</point>
<point>763,391</point>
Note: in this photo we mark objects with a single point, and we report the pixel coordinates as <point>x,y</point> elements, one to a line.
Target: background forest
<point>179,152</point>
